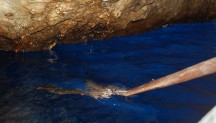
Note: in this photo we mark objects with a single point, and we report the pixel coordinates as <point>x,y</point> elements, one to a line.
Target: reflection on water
<point>127,62</point>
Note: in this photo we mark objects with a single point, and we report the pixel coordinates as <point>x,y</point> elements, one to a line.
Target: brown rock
<point>31,25</point>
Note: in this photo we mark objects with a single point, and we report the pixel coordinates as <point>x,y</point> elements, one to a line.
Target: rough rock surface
<point>31,25</point>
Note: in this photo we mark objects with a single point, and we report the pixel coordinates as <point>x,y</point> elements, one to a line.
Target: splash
<point>92,90</point>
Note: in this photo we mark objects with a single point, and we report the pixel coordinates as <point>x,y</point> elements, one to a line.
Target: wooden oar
<point>202,69</point>
<point>99,91</point>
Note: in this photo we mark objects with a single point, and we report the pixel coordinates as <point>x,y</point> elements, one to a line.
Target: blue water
<point>125,61</point>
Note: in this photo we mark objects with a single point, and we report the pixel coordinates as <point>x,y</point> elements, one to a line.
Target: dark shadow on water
<point>126,61</point>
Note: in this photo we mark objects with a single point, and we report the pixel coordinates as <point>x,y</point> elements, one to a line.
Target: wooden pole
<point>202,69</point>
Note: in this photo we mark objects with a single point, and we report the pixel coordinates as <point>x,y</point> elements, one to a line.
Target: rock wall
<point>32,25</point>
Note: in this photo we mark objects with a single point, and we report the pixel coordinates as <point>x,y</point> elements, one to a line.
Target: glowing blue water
<point>126,61</point>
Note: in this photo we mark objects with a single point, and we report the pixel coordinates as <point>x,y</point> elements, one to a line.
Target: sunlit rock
<point>31,25</point>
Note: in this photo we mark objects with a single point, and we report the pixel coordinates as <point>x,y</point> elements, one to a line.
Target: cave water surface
<point>123,61</point>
